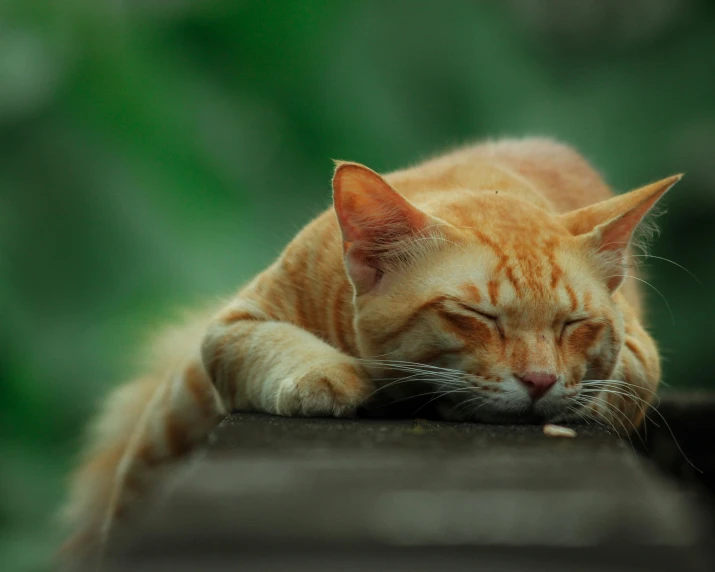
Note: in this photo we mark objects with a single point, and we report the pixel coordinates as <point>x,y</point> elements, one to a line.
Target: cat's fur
<point>498,267</point>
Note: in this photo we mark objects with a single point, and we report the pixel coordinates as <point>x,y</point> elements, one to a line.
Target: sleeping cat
<point>495,280</point>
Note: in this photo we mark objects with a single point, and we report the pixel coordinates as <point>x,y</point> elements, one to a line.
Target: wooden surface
<point>317,494</point>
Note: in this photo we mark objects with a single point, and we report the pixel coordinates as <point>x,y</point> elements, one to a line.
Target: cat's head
<point>509,307</point>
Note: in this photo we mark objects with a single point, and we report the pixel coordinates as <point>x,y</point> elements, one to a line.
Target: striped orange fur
<point>497,276</point>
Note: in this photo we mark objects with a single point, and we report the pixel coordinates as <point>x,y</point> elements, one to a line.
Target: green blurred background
<point>156,152</point>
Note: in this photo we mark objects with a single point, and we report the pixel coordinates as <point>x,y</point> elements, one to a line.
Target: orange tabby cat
<point>494,278</point>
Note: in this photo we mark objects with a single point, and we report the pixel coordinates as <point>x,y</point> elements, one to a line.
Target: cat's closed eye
<point>486,315</point>
<point>575,320</point>
<point>569,324</point>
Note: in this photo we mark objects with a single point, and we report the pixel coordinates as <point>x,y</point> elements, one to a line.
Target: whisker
<point>644,406</point>
<point>611,408</point>
<point>668,260</point>
<point>638,401</point>
<point>620,384</point>
<point>439,393</point>
<point>420,372</point>
<point>677,444</point>
<point>634,397</point>
<point>398,381</point>
<point>426,371</point>
<point>577,412</point>
<point>600,421</point>
<point>443,394</point>
<point>467,401</point>
<point>672,317</point>
<point>401,363</point>
<point>650,406</point>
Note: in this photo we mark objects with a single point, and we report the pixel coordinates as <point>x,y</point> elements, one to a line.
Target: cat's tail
<point>143,427</point>
<point>91,485</point>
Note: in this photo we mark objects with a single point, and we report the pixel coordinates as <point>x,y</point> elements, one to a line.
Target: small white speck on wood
<point>557,431</point>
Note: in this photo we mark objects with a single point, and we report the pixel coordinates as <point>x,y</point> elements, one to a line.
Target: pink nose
<point>537,383</point>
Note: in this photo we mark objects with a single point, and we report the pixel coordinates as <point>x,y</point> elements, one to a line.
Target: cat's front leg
<point>279,368</point>
<point>336,389</point>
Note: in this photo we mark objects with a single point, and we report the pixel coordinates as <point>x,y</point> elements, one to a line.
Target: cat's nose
<point>537,383</point>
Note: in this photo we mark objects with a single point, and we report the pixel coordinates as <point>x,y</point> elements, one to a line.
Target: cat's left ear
<point>607,228</point>
<point>373,218</point>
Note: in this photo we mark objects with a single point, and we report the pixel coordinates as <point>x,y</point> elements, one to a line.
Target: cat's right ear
<point>373,217</point>
<point>606,228</point>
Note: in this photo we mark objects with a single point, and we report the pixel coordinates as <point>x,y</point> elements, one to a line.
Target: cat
<point>495,279</point>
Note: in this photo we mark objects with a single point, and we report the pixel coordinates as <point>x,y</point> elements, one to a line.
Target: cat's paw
<point>335,390</point>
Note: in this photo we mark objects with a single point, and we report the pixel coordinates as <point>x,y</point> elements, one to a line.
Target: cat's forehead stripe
<point>509,271</point>
<point>529,276</point>
<point>484,239</point>
<point>572,297</point>
<point>529,267</point>
<point>493,288</point>
<point>472,292</point>
<point>556,274</point>
<point>550,253</point>
<point>587,301</point>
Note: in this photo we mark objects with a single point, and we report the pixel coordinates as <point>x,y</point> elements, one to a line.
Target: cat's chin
<point>529,416</point>
<point>499,418</point>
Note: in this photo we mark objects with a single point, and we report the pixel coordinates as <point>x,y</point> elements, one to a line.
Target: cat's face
<point>524,322</point>
<point>509,309</point>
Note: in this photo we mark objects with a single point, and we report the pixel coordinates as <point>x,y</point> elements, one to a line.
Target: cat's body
<point>486,277</point>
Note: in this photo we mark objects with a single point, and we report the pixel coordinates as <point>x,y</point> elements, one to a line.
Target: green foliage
<point>157,152</point>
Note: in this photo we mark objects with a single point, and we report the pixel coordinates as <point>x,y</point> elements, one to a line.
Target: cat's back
<point>541,170</point>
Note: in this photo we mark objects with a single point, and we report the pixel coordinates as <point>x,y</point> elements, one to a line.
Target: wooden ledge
<point>273,493</point>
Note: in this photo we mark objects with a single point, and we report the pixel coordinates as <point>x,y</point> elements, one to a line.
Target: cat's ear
<point>373,217</point>
<point>607,228</point>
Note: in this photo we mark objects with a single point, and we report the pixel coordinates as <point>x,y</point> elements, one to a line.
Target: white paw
<point>335,390</point>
